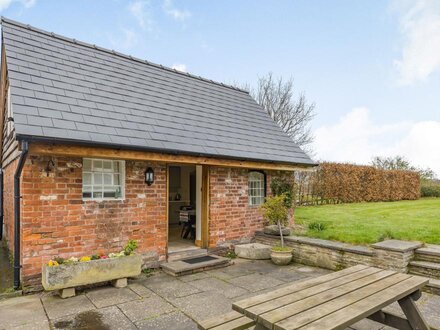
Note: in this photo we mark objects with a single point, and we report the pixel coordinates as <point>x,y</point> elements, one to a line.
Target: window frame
<point>262,198</point>
<point>121,174</point>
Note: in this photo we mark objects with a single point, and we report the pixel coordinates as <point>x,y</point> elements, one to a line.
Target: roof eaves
<point>29,138</point>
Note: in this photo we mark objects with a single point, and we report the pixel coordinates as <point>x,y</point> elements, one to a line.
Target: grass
<point>364,223</point>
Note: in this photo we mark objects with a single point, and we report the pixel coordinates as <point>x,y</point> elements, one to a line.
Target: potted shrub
<point>276,212</point>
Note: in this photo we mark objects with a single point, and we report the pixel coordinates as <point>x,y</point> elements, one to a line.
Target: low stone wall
<point>391,254</point>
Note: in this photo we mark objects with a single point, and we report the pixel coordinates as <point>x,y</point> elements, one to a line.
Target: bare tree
<point>293,115</point>
<point>401,163</point>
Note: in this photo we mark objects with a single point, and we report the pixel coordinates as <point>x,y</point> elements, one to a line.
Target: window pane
<point>87,165</point>
<point>116,179</point>
<point>116,166</point>
<point>97,194</point>
<point>87,178</point>
<point>107,165</point>
<point>109,194</point>
<point>97,165</point>
<point>87,194</point>
<point>97,178</point>
<point>107,179</point>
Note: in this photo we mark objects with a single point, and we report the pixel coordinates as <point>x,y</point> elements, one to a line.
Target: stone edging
<point>330,244</point>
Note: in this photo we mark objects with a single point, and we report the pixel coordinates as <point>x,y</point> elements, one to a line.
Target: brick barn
<point>100,147</point>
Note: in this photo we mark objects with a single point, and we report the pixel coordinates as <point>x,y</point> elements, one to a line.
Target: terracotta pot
<point>281,258</point>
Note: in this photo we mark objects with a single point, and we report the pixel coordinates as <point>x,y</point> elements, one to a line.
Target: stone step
<point>184,267</point>
<point>188,253</point>
<point>425,268</point>
<point>433,287</point>
<point>430,253</point>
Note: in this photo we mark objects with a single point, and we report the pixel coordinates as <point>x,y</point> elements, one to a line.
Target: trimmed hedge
<point>348,183</point>
<point>430,190</point>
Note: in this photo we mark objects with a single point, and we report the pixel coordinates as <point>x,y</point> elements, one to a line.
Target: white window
<point>103,179</point>
<point>257,188</point>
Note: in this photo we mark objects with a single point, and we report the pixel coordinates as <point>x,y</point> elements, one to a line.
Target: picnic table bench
<point>338,300</point>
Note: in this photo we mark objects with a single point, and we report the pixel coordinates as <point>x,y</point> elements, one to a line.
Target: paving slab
<point>57,307</point>
<point>255,282</point>
<point>287,274</point>
<point>140,290</point>
<point>146,308</point>
<point>230,272</point>
<point>261,266</point>
<point>219,286</point>
<point>25,312</point>
<point>109,296</point>
<point>169,286</point>
<point>175,320</point>
<point>193,277</point>
<point>108,318</point>
<point>367,324</point>
<point>203,305</point>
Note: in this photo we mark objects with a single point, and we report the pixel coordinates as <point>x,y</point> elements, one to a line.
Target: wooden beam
<point>391,320</point>
<point>205,207</point>
<point>412,313</point>
<point>96,152</point>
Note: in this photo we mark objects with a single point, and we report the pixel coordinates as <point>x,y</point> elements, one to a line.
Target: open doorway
<point>184,207</point>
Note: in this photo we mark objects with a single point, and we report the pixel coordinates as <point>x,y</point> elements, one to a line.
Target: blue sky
<point>371,67</point>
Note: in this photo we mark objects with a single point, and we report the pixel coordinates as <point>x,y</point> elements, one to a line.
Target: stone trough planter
<point>67,276</point>
<point>253,251</point>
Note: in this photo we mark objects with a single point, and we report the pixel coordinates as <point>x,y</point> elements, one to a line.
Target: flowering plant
<point>128,250</point>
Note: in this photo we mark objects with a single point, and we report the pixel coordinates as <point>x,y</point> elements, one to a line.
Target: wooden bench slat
<point>280,304</point>
<point>317,312</point>
<point>218,320</point>
<point>311,301</point>
<point>242,323</point>
<point>365,307</point>
<point>297,286</point>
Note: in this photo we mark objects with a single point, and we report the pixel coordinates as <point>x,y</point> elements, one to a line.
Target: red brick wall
<point>8,203</point>
<point>231,218</point>
<point>57,222</point>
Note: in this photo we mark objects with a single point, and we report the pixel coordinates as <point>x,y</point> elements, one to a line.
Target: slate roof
<point>69,91</point>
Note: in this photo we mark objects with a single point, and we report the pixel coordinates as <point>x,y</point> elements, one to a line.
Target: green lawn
<point>364,223</point>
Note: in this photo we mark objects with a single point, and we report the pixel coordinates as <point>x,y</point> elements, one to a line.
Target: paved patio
<point>165,302</point>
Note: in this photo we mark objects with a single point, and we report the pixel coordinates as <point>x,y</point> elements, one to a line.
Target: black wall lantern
<point>149,176</point>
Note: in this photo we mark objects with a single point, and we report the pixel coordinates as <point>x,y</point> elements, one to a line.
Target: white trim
<point>256,193</point>
<point>102,172</point>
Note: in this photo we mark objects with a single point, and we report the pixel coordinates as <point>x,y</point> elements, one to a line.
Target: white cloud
<point>177,14</point>
<point>141,12</point>
<point>4,4</point>
<point>420,29</point>
<point>357,138</point>
<point>179,67</point>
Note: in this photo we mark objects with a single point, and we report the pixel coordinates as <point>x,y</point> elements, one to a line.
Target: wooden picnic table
<point>338,300</point>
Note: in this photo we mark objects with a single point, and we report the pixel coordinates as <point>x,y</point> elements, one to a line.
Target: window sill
<point>103,199</point>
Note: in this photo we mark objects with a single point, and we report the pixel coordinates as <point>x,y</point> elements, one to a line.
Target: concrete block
<point>67,293</point>
<point>254,251</point>
<point>120,283</point>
